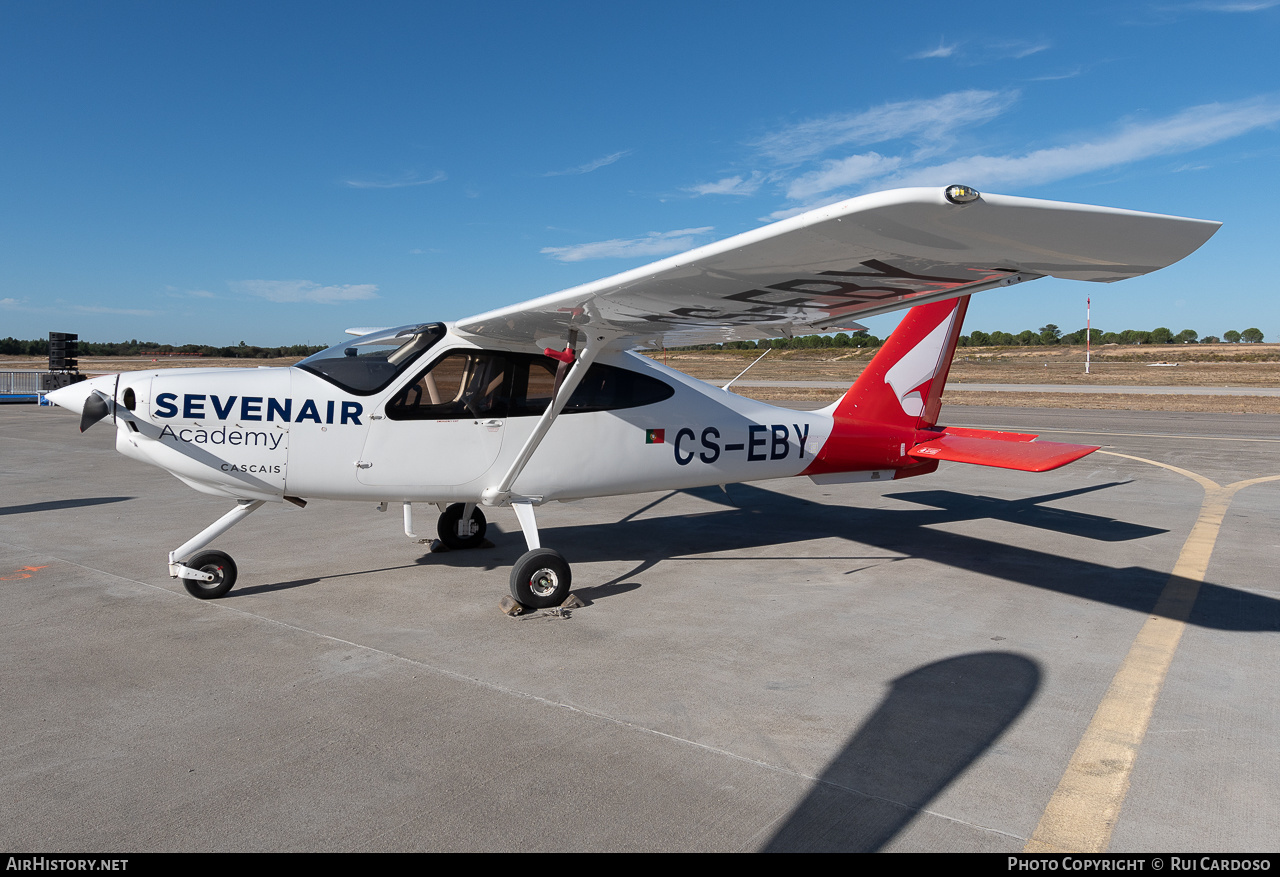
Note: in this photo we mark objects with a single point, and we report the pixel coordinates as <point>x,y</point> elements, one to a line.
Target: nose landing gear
<point>210,574</point>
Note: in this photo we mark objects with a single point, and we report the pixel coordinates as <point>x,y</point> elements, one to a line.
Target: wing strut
<point>500,494</point>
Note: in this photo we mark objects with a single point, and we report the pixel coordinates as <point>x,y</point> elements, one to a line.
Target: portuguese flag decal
<point>653,436</point>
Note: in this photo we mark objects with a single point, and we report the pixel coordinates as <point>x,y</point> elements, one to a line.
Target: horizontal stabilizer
<point>1004,450</point>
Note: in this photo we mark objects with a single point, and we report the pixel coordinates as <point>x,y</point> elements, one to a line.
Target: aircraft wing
<point>820,270</point>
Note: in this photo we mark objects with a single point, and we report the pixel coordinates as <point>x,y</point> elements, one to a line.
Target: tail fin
<point>887,422</point>
<point>902,385</point>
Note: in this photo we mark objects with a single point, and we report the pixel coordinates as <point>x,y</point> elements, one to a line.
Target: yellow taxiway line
<point>1083,810</point>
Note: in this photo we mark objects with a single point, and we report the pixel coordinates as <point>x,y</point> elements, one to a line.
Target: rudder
<point>902,385</point>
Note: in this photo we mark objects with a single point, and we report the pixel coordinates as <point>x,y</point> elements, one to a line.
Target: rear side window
<point>608,388</point>
<point>488,384</point>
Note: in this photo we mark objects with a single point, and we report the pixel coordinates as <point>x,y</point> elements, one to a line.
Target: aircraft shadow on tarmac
<point>1032,512</point>
<point>934,722</point>
<point>751,516</point>
<point>298,583</point>
<point>54,504</point>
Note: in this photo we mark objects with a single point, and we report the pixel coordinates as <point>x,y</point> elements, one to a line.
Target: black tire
<point>447,528</point>
<point>224,575</point>
<point>540,579</point>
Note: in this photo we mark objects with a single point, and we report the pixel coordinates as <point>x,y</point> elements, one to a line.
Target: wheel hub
<point>544,582</point>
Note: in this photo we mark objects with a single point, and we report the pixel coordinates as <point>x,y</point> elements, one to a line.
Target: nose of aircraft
<point>73,397</point>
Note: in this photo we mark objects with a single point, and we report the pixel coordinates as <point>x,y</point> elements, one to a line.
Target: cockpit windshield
<point>368,363</point>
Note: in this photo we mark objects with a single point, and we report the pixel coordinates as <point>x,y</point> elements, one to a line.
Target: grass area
<point>1213,365</point>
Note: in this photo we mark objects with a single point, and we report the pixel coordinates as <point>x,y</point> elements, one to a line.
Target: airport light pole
<point>1088,330</point>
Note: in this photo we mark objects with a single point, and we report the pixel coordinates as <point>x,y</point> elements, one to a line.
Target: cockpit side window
<point>465,383</point>
<point>535,378</point>
<point>491,384</point>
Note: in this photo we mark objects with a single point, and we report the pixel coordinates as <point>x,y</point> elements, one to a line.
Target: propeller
<point>95,408</point>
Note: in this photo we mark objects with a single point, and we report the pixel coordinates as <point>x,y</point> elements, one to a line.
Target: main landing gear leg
<point>210,574</point>
<point>541,578</point>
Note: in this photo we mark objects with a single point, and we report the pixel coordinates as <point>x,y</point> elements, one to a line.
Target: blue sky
<point>276,172</point>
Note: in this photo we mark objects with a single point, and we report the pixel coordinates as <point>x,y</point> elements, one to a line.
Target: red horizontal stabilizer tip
<point>1002,453</point>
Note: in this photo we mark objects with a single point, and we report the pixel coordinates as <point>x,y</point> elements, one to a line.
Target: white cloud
<point>928,123</point>
<point>988,50</point>
<point>124,312</point>
<point>788,212</point>
<point>738,185</point>
<point>919,148</point>
<point>841,173</point>
<point>655,243</point>
<point>1190,129</point>
<point>591,165</point>
<point>9,303</point>
<point>1256,6</point>
<point>1020,50</point>
<point>1053,77</point>
<point>409,179</point>
<point>929,119</point>
<point>942,51</point>
<point>175,292</point>
<point>304,291</point>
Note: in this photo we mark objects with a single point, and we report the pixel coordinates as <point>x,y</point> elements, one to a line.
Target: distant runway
<point>973,660</point>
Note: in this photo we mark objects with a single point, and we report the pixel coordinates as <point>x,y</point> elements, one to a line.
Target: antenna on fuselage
<point>748,368</point>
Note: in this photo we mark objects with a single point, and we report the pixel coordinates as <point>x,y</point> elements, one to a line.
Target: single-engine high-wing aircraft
<point>549,400</point>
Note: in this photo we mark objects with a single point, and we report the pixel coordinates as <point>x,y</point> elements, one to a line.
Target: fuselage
<point>268,433</point>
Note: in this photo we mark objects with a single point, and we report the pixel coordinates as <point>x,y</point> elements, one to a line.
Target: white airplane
<point>549,401</point>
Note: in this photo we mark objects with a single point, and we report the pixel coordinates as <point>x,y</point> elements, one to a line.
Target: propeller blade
<point>95,408</point>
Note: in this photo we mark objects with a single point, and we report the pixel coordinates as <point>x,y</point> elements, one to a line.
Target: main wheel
<point>447,527</point>
<point>220,565</point>
<point>540,579</point>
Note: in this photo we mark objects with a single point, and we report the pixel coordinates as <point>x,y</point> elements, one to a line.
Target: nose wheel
<point>540,579</point>
<point>216,564</point>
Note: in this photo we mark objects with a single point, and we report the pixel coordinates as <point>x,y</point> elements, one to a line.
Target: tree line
<point>40,347</point>
<point>1045,335</point>
<point>1051,334</point>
